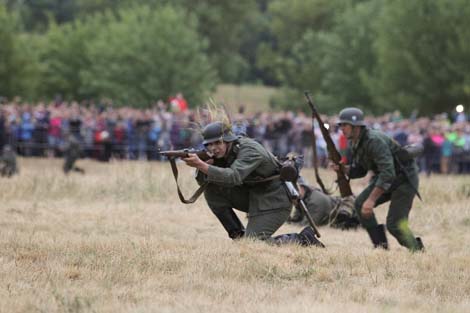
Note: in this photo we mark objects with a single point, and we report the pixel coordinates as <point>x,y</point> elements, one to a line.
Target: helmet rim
<point>217,132</point>
<point>351,116</point>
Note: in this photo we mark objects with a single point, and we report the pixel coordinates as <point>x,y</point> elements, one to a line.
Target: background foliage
<point>379,55</point>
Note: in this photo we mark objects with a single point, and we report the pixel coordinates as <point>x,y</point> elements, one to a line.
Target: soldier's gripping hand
<point>367,209</point>
<point>194,161</point>
<point>337,167</point>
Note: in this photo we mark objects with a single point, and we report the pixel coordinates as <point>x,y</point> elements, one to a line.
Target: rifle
<point>333,154</point>
<point>172,155</point>
<point>184,153</point>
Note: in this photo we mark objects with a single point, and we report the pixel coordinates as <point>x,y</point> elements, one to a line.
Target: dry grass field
<point>119,240</point>
<point>254,98</point>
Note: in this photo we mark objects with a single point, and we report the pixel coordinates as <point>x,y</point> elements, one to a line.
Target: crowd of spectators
<point>106,132</point>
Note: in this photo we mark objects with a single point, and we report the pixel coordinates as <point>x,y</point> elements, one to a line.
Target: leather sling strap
<point>196,194</point>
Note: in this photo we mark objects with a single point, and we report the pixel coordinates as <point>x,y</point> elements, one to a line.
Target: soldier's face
<point>347,130</point>
<point>217,148</point>
<point>350,132</point>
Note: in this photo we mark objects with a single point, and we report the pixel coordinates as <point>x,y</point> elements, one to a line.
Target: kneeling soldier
<point>243,175</point>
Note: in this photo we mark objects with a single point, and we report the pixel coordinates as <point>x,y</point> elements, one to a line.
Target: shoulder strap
<point>196,194</point>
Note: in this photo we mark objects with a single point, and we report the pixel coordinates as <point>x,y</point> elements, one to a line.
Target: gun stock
<point>333,154</point>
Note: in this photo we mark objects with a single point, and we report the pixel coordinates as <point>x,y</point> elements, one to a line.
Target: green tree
<point>18,66</point>
<point>64,55</point>
<point>349,57</point>
<point>423,50</point>
<point>334,62</point>
<point>223,24</point>
<point>145,55</point>
<point>36,14</point>
<point>290,23</point>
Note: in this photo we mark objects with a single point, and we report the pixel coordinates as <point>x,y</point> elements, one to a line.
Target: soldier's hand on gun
<point>337,167</point>
<point>194,161</point>
<point>367,209</point>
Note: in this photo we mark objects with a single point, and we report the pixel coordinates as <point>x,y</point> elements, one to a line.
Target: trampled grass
<point>119,240</point>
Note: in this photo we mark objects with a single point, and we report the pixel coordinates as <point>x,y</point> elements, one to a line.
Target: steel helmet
<point>216,131</point>
<point>352,116</point>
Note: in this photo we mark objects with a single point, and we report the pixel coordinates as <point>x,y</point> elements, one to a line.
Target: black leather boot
<point>309,238</point>
<point>230,221</point>
<point>378,237</point>
<point>420,244</point>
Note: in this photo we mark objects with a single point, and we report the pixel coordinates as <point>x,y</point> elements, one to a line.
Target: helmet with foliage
<point>217,131</point>
<point>352,116</point>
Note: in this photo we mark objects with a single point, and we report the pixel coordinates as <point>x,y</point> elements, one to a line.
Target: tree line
<point>377,54</point>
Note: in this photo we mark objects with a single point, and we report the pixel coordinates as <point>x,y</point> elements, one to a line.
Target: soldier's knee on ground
<point>258,235</point>
<point>305,238</point>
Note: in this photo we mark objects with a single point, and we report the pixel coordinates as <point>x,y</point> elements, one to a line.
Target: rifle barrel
<point>202,154</point>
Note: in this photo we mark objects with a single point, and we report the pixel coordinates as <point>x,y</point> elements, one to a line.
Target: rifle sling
<point>196,194</point>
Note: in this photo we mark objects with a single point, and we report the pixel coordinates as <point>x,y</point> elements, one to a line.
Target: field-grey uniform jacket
<point>375,151</point>
<point>247,163</point>
<point>319,205</point>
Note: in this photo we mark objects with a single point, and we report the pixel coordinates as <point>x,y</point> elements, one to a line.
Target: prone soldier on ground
<point>325,209</point>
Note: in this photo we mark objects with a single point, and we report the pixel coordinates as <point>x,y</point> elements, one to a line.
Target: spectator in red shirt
<point>179,102</point>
